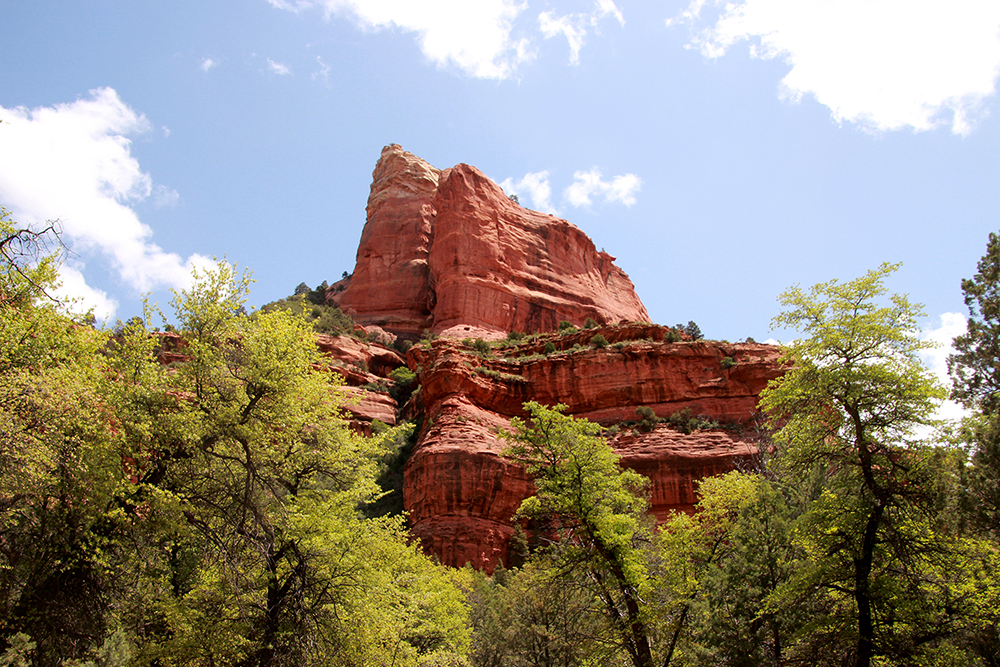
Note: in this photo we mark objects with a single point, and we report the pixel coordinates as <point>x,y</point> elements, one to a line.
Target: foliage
<point>687,422</point>
<point>529,618</point>
<point>310,306</point>
<point>549,348</point>
<point>672,336</point>
<point>973,368</point>
<point>202,513</point>
<point>596,508</point>
<point>500,376</point>
<point>59,473</point>
<point>599,341</point>
<point>28,261</point>
<point>480,346</point>
<point>727,363</point>
<point>262,468</point>
<point>720,570</point>
<point>591,323</point>
<point>851,405</point>
<point>404,383</point>
<point>647,419</point>
<point>975,374</point>
<point>692,330</point>
<point>566,327</point>
<point>389,501</point>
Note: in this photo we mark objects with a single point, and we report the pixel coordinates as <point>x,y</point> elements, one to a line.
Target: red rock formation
<point>461,493</point>
<point>674,462</point>
<point>391,283</point>
<point>447,251</point>
<point>450,252</point>
<point>363,367</point>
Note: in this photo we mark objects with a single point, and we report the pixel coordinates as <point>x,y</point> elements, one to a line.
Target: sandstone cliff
<point>447,251</point>
<point>461,493</point>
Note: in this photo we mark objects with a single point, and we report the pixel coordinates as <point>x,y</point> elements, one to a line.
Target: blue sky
<point>722,152</point>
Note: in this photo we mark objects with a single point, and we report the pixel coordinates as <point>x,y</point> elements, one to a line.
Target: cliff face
<point>391,283</point>
<point>448,251</point>
<point>461,493</point>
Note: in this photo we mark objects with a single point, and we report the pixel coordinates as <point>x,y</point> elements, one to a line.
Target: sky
<point>722,151</point>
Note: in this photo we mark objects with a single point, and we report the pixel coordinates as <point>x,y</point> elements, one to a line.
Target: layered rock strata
<point>448,252</point>
<point>461,493</point>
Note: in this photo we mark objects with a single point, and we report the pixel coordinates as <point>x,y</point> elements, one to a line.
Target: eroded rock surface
<point>447,251</point>
<point>461,493</point>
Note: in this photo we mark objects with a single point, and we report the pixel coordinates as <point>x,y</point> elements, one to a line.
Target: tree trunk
<point>862,588</point>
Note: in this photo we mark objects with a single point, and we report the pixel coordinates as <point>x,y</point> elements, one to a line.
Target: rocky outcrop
<point>365,368</point>
<point>447,251</point>
<point>391,283</point>
<point>461,493</point>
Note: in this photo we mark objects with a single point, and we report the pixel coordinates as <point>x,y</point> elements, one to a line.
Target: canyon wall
<point>461,493</point>
<point>448,252</point>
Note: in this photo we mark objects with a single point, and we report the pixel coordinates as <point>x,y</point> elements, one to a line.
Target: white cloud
<point>475,35</point>
<point>952,324</point>
<point>278,68</point>
<point>535,185</point>
<point>589,184</point>
<point>73,162</point>
<point>74,287</point>
<point>574,27</point>
<point>882,64</point>
<point>323,72</point>
<point>208,64</point>
<point>164,196</point>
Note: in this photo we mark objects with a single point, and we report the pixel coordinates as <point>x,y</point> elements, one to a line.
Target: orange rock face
<point>391,283</point>
<point>363,365</point>
<point>448,251</point>
<point>461,493</point>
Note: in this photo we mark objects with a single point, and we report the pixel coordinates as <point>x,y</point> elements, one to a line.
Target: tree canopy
<point>199,513</point>
<point>217,509</point>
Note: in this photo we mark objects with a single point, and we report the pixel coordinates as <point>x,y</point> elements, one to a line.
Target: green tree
<point>850,406</point>
<point>720,569</point>
<point>61,557</point>
<point>973,367</point>
<point>598,511</point>
<point>243,457</point>
<point>531,618</point>
<point>975,374</point>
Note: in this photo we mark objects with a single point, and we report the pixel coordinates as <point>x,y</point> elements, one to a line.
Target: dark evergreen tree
<point>974,367</point>
<point>692,329</point>
<point>975,373</point>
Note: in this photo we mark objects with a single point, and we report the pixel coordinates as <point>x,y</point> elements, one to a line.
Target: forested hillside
<point>212,510</point>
